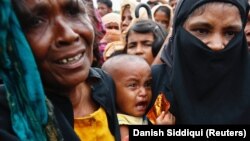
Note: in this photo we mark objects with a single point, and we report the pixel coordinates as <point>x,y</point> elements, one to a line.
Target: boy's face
<point>61,38</point>
<point>103,9</point>
<point>133,88</point>
<point>141,44</point>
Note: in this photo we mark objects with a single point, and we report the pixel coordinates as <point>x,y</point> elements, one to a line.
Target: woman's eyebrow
<point>234,27</point>
<point>201,24</point>
<point>41,7</point>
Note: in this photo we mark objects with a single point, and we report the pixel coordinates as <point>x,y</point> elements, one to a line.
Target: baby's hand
<point>126,138</point>
<point>165,118</point>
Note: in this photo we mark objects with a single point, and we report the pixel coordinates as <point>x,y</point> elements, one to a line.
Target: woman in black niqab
<point>205,86</point>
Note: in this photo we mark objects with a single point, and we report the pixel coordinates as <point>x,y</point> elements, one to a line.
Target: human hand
<point>111,36</point>
<point>165,118</point>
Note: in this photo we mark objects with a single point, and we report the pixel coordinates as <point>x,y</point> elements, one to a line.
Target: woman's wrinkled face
<point>61,37</point>
<point>212,26</point>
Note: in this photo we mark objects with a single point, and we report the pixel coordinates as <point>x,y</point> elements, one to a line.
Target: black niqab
<point>208,87</point>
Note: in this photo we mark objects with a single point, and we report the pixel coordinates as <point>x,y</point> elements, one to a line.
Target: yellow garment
<point>93,127</point>
<point>131,120</point>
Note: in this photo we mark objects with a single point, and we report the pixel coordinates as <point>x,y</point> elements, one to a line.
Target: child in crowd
<point>111,22</point>
<point>163,15</point>
<point>132,78</point>
<point>145,38</point>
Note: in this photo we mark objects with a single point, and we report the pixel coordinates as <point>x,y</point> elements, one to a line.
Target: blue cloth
<point>20,75</point>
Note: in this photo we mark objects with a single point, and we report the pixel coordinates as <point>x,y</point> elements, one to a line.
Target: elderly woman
<point>78,103</point>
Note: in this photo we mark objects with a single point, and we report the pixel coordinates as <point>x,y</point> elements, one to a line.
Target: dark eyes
<point>73,10</point>
<point>33,22</point>
<point>41,17</point>
<point>134,85</point>
<point>36,21</point>
<point>129,18</point>
<point>144,44</point>
<point>205,32</point>
<point>148,84</point>
<point>231,33</point>
<point>132,45</point>
<point>201,31</point>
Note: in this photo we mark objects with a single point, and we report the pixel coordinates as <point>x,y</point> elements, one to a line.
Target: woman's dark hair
<point>98,35</point>
<point>106,2</point>
<point>21,11</point>
<point>164,9</point>
<point>149,26</point>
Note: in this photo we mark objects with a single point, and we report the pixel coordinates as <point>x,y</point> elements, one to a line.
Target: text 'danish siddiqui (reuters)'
<point>190,132</point>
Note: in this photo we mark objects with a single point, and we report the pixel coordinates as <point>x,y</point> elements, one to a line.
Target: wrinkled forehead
<point>28,7</point>
<point>33,3</point>
<point>186,7</point>
<point>219,5</point>
<point>190,5</point>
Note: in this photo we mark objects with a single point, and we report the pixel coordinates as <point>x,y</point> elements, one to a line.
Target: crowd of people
<point>70,71</point>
